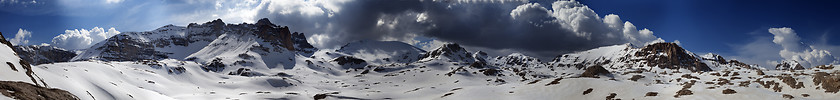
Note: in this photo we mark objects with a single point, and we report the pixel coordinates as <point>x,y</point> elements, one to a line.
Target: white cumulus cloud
<point>793,49</point>
<point>113,1</point>
<point>21,38</point>
<point>82,39</point>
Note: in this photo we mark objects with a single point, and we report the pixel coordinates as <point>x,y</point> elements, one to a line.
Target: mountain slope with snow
<point>265,61</point>
<point>41,54</point>
<point>19,80</point>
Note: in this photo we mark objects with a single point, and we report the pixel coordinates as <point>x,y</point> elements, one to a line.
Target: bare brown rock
<point>683,92</point>
<point>825,67</point>
<point>12,65</point>
<point>788,96</point>
<point>652,94</point>
<point>611,96</point>
<point>320,96</point>
<point>556,81</point>
<point>636,77</point>
<point>790,81</point>
<point>689,76</point>
<point>343,60</point>
<point>675,57</point>
<point>587,91</point>
<point>829,82</point>
<point>729,91</point>
<point>27,91</point>
<point>595,71</point>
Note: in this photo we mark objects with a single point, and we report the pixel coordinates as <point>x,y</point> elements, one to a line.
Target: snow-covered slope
<point>382,52</point>
<point>15,68</point>
<point>18,80</point>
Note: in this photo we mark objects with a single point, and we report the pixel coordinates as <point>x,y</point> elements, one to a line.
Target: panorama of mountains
<point>216,60</point>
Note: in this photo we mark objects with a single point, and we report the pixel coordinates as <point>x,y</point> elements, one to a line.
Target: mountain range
<point>216,60</point>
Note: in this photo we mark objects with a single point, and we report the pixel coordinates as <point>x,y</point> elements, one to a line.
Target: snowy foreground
<point>425,79</point>
<point>263,61</point>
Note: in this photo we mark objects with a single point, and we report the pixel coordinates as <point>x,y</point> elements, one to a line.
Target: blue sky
<point>714,25</point>
<point>736,29</point>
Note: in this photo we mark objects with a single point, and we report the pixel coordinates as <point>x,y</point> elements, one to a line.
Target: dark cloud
<point>544,30</point>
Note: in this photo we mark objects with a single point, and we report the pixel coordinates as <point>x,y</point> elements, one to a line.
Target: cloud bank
<point>537,29</point>
<point>533,28</point>
<point>793,49</point>
<point>82,39</point>
<point>21,38</point>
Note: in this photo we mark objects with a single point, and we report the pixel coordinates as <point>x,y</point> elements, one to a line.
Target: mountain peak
<point>453,51</point>
<point>217,22</point>
<point>264,21</point>
<point>671,56</point>
<point>789,65</point>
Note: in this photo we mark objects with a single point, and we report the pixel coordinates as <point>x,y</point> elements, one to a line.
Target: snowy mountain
<point>177,42</point>
<point>215,60</point>
<point>382,52</point>
<point>42,54</point>
<point>18,80</point>
<point>789,65</point>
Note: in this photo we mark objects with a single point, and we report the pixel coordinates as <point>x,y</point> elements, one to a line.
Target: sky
<point>763,32</point>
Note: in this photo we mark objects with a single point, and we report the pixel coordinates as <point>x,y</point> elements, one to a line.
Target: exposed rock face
<point>26,91</point>
<point>829,82</point>
<point>714,57</point>
<point>729,91</point>
<point>126,48</point>
<point>301,45</point>
<point>595,71</point>
<point>452,51</point>
<point>216,66</point>
<point>350,62</point>
<point>178,42</point>
<point>274,34</point>
<point>343,60</point>
<point>518,59</point>
<point>3,40</point>
<point>244,72</point>
<point>789,65</point>
<point>671,56</point>
<point>37,54</point>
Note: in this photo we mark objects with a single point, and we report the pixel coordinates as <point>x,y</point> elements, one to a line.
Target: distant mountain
<point>250,44</point>
<point>43,54</point>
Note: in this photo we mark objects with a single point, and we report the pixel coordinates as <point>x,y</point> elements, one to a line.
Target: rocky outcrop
<point>301,45</point>
<point>26,91</point>
<point>595,71</point>
<point>789,65</point>
<point>3,40</point>
<point>215,66</point>
<point>245,72</point>
<point>276,35</point>
<point>344,60</point>
<point>671,56</point>
<point>41,54</point>
<point>829,82</point>
<point>453,51</point>
<point>126,48</point>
